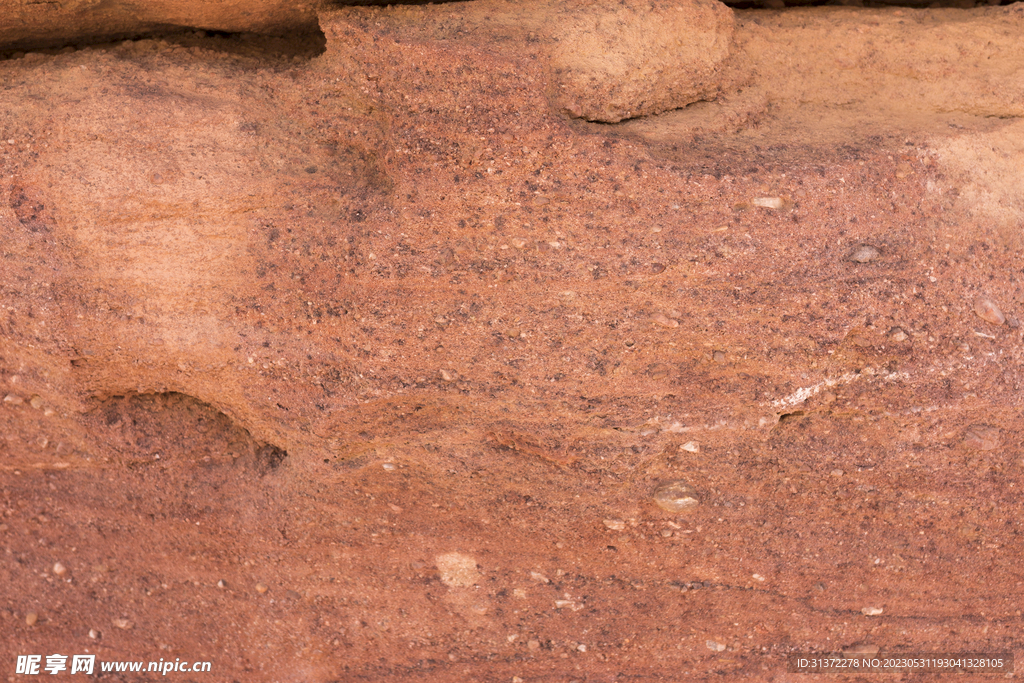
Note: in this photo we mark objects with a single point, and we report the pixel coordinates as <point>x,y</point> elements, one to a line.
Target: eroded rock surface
<point>386,355</point>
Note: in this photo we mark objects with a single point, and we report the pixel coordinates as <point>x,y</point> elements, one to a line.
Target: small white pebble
<point>715,646</point>
<point>769,202</point>
<point>986,309</point>
<point>59,569</point>
<point>13,399</point>
<point>871,611</point>
<point>863,253</point>
<point>675,496</point>
<point>389,466</point>
<point>690,447</point>
<point>615,524</point>
<point>665,321</point>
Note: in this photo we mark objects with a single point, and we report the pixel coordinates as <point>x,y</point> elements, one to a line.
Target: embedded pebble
<point>769,202</point>
<point>982,437</point>
<point>533,645</point>
<point>13,399</point>
<point>94,634</point>
<point>615,524</point>
<point>261,588</point>
<point>31,618</point>
<point>718,356</point>
<point>59,569</point>
<point>36,402</point>
<point>715,646</point>
<point>675,496</point>
<point>897,334</point>
<point>457,570</point>
<point>658,371</point>
<point>987,310</point>
<point>123,624</point>
<point>690,447</point>
<point>665,321</point>
<point>871,611</point>
<point>449,375</point>
<point>863,253</point>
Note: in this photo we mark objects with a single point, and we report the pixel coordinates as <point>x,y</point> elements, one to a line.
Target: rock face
<point>614,61</point>
<point>26,25</point>
<point>396,357</point>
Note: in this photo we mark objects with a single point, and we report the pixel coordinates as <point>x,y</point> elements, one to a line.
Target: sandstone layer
<point>391,362</point>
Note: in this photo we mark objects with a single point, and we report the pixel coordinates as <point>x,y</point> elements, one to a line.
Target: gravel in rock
<point>769,202</point>
<point>665,321</point>
<point>863,253</point>
<point>986,309</point>
<point>675,496</point>
<point>982,437</point>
